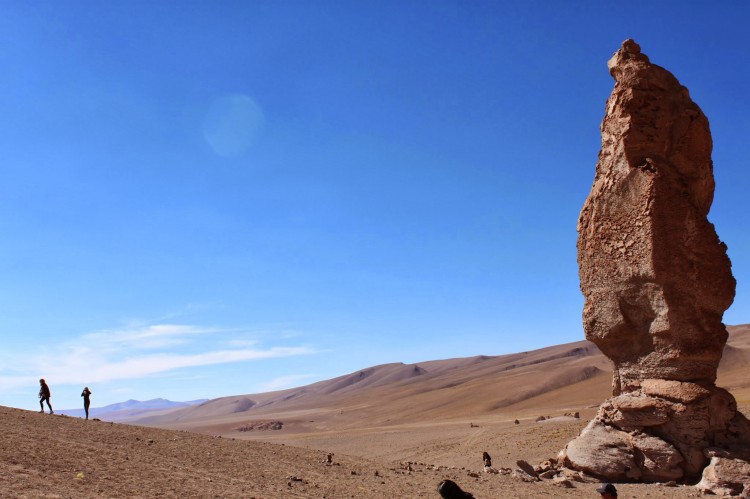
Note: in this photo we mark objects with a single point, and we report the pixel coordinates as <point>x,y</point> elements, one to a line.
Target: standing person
<point>86,394</point>
<point>44,394</point>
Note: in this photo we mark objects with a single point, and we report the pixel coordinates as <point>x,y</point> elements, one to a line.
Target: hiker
<point>86,394</point>
<point>44,394</point>
<point>608,491</point>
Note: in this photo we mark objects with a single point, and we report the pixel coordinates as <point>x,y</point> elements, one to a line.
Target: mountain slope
<point>560,378</point>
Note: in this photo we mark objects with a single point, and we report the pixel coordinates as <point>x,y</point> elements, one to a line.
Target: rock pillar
<point>656,281</point>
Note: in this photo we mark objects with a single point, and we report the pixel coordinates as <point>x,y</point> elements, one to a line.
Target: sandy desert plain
<point>395,431</point>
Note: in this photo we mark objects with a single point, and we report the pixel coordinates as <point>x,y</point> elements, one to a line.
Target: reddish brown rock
<point>655,276</point>
<point>726,476</point>
<point>674,390</point>
<point>656,281</point>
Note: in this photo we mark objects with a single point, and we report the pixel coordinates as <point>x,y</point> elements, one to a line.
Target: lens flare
<point>232,124</point>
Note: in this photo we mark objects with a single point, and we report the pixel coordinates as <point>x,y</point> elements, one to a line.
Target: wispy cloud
<point>284,382</point>
<point>136,352</point>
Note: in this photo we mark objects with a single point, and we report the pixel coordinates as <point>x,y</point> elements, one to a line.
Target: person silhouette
<point>44,395</point>
<point>86,394</point>
<point>607,491</point>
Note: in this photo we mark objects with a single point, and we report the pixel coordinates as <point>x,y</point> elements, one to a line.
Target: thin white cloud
<point>147,337</point>
<point>284,382</point>
<point>242,343</point>
<point>147,365</point>
<point>133,353</point>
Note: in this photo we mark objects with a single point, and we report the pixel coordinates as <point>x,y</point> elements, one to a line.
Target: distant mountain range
<point>129,409</point>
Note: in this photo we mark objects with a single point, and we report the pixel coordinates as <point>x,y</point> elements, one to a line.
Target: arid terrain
<point>394,431</point>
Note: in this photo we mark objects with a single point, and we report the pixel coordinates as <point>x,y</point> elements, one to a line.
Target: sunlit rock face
<point>655,276</point>
<point>656,280</point>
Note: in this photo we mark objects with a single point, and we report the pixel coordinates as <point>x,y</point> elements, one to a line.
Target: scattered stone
<point>261,426</point>
<point>527,468</point>
<point>523,476</point>
<point>540,418</point>
<point>549,464</point>
<point>516,422</point>
<point>563,482</point>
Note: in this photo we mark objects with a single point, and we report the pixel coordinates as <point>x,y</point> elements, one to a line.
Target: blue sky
<point>203,199</point>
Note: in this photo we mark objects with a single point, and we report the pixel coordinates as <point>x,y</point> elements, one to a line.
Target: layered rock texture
<point>656,281</point>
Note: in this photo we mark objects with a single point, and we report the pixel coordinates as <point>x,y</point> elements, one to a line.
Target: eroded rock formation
<point>656,281</point>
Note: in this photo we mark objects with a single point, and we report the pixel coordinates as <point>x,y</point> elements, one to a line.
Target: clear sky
<point>208,198</point>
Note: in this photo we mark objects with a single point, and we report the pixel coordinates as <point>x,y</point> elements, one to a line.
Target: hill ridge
<point>468,387</point>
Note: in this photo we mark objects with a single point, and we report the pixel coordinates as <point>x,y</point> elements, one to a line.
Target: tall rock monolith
<point>656,281</point>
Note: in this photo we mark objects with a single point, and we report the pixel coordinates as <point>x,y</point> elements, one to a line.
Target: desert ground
<point>394,431</point>
<point>63,457</point>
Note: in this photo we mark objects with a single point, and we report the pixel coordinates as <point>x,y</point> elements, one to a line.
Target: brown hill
<point>400,399</point>
<point>444,389</point>
<point>435,419</point>
<point>555,378</point>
